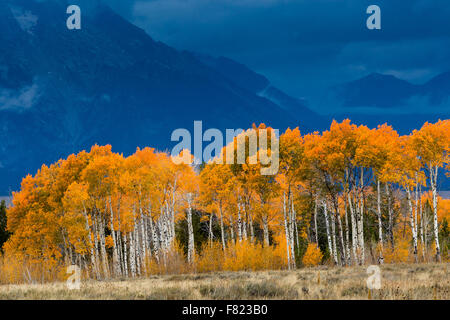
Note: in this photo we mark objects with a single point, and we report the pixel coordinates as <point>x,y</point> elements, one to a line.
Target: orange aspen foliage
<point>313,256</point>
<point>148,213</point>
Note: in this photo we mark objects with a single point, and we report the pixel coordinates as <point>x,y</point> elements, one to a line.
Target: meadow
<point>398,282</point>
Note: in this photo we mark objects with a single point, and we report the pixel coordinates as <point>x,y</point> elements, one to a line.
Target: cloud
<point>20,99</point>
<point>305,46</point>
<point>302,45</point>
<point>278,21</point>
<point>424,104</point>
<point>26,20</point>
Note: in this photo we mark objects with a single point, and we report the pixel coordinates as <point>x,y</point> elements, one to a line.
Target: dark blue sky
<point>304,46</point>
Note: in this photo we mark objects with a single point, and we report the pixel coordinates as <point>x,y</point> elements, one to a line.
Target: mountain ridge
<point>61,91</point>
<point>387,91</point>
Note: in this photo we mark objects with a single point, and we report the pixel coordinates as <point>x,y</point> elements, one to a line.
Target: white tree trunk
<point>252,231</point>
<point>291,229</point>
<point>433,182</point>
<point>222,228</point>
<point>116,263</point>
<point>266,230</point>
<point>421,224</point>
<point>132,254</point>
<point>354,229</point>
<point>391,218</point>
<point>416,206</point>
<point>101,232</point>
<point>286,230</point>
<point>347,235</point>
<point>125,253</point>
<point>244,222</point>
<point>137,248</point>
<point>191,247</point>
<point>294,215</point>
<point>361,220</point>
<point>380,223</point>
<point>232,229</point>
<point>411,219</point>
<point>239,222</point>
<point>155,238</point>
<point>325,213</point>
<point>341,237</point>
<point>143,238</point>
<point>210,229</point>
<point>91,245</point>
<point>316,204</point>
<point>333,237</point>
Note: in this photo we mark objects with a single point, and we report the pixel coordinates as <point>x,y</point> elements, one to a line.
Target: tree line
<point>347,195</point>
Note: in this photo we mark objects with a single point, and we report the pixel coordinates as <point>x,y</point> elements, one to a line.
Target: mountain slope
<point>256,83</point>
<point>438,89</point>
<point>387,92</point>
<point>62,90</point>
<point>375,90</point>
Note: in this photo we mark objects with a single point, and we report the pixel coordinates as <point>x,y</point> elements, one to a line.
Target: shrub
<point>313,256</point>
<point>172,261</point>
<point>247,256</point>
<point>211,258</point>
<point>398,254</point>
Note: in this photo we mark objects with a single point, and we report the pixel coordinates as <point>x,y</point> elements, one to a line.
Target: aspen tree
<point>111,214</point>
<point>327,227</point>
<point>189,188</point>
<point>432,144</point>
<point>286,230</point>
<point>412,222</point>
<point>316,234</point>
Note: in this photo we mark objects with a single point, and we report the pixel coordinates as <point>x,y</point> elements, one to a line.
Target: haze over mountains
<point>61,91</point>
<point>387,91</point>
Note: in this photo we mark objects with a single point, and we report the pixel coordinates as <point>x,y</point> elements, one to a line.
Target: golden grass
<point>401,281</point>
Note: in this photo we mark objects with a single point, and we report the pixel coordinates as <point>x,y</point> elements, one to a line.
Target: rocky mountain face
<point>61,91</point>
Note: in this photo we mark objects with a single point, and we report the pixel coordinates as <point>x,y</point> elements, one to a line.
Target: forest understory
<point>398,282</point>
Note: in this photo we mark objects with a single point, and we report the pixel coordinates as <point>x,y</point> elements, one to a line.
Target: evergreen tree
<point>4,234</point>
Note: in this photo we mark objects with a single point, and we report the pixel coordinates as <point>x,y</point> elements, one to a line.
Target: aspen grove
<point>348,196</point>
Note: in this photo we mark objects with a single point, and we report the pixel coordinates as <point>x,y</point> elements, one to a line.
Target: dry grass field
<point>399,282</point>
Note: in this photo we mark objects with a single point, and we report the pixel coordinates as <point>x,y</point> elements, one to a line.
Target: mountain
<point>375,90</point>
<point>261,86</point>
<point>234,71</point>
<point>387,91</point>
<point>61,91</point>
<point>438,89</point>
